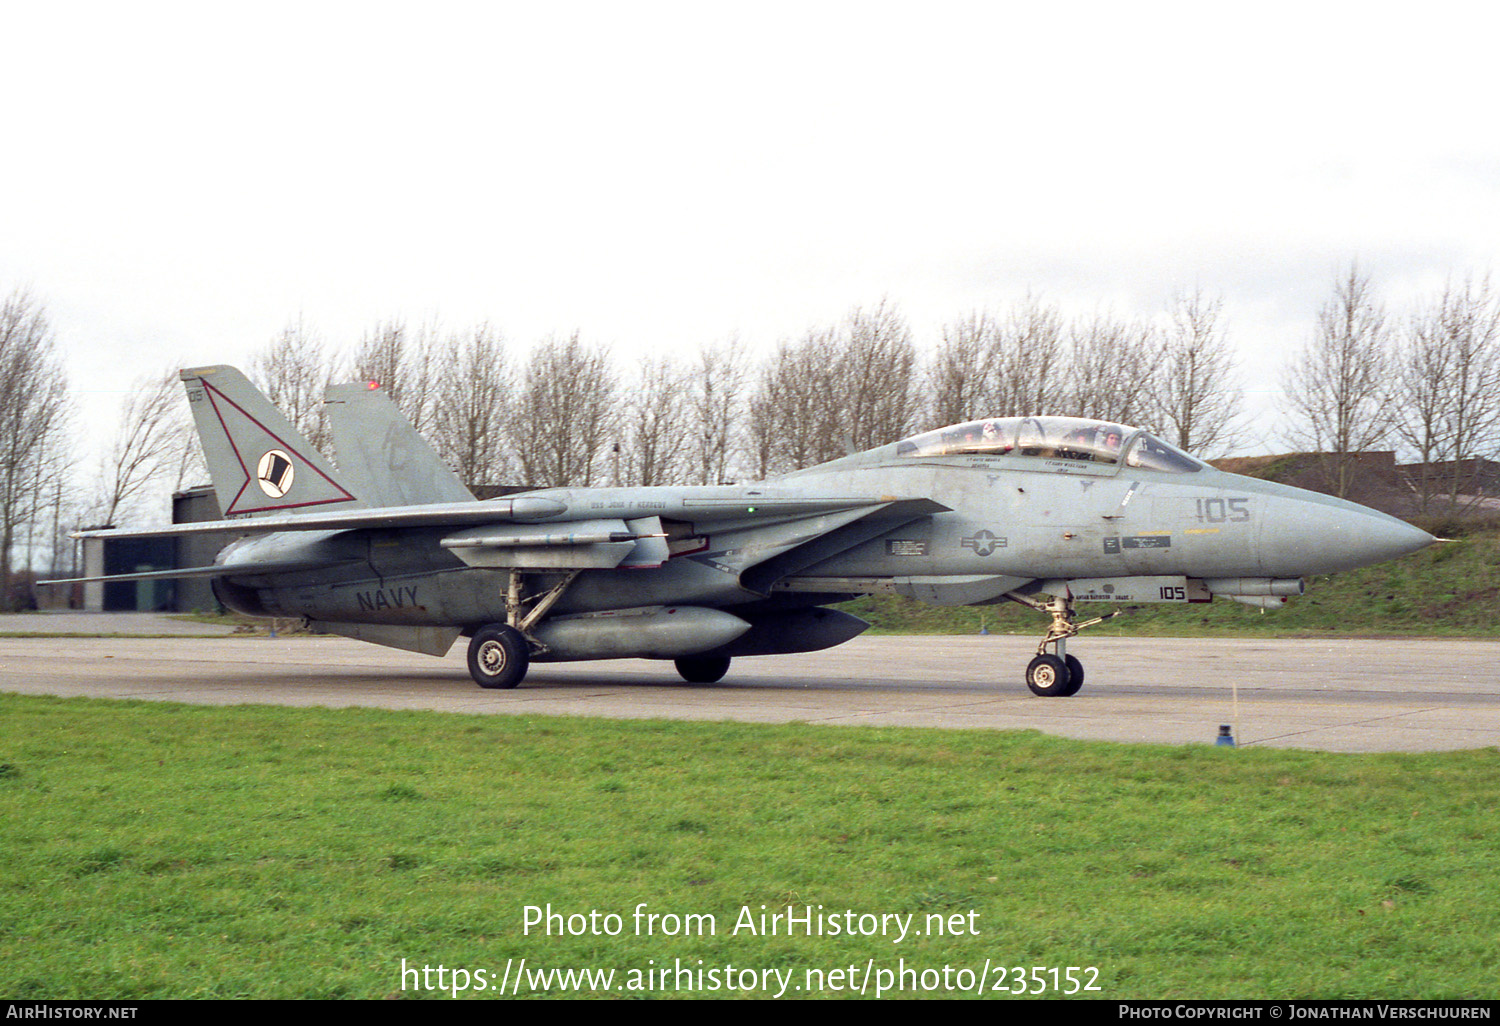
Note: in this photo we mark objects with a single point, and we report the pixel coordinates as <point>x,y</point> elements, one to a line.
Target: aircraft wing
<point>601,529</point>
<point>746,533</point>
<point>523,508</point>
<point>796,544</point>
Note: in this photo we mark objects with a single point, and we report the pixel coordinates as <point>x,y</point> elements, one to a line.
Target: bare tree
<point>1196,395</point>
<point>377,359</point>
<point>793,411</point>
<point>1029,371</point>
<point>874,379</point>
<point>1111,369</point>
<point>1447,390</point>
<point>144,446</point>
<point>1029,362</point>
<point>715,397</point>
<point>558,423</point>
<point>404,363</point>
<point>33,414</point>
<point>652,446</point>
<point>834,391</point>
<point>961,377</point>
<point>292,370</point>
<point>58,497</point>
<point>762,443</point>
<point>184,458</point>
<point>473,395</point>
<point>1338,387</point>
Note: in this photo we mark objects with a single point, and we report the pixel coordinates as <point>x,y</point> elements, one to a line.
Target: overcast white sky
<point>178,181</point>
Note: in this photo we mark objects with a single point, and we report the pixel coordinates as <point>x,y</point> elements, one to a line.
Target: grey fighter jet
<point>1046,511</point>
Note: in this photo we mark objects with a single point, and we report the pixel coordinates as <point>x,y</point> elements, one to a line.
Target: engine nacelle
<point>796,630</point>
<point>239,598</point>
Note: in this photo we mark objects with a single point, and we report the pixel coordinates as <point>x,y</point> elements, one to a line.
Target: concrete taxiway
<point>1335,695</point>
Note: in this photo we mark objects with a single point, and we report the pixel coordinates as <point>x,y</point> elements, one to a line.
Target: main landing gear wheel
<point>498,656</point>
<point>702,669</point>
<point>1052,677</point>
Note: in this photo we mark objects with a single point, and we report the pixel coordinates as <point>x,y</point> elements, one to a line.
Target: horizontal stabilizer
<point>218,570</point>
<point>457,514</point>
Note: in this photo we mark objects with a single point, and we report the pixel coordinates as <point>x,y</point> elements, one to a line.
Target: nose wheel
<point>1051,676</point>
<point>1056,674</point>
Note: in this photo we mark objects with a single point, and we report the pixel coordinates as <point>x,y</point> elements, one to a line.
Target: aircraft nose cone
<point>1366,537</point>
<point>1302,533</point>
<point>1402,538</point>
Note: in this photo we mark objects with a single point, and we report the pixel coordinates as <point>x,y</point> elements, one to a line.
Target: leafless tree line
<point>1427,384</point>
<point>562,416</point>
<point>564,412</point>
<point>34,457</point>
<point>1175,373</point>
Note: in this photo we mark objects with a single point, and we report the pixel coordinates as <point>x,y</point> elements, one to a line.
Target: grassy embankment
<point>153,850</point>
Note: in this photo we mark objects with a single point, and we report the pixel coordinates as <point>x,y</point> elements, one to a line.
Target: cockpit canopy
<point>1053,438</point>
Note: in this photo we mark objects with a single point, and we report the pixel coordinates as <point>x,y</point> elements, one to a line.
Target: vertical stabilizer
<point>381,455</point>
<point>259,463</point>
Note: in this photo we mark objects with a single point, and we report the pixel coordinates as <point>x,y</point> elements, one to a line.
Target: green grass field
<point>156,850</point>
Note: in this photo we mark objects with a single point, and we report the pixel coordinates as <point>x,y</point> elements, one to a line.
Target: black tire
<point>1048,676</point>
<point>498,656</point>
<point>1075,676</point>
<point>702,669</point>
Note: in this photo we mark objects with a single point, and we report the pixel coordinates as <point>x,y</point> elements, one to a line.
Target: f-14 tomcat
<point>391,548</point>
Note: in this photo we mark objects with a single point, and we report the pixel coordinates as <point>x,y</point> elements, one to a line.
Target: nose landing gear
<point>1057,675</point>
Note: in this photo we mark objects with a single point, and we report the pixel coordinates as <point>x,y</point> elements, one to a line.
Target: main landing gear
<point>1056,675</point>
<point>500,653</point>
